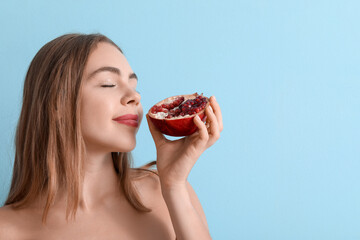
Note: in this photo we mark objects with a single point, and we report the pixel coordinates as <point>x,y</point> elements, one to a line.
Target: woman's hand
<point>175,159</point>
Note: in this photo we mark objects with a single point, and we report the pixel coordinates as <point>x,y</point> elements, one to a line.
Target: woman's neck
<point>99,188</point>
<point>100,181</point>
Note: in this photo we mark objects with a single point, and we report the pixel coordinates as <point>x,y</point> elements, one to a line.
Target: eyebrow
<point>111,69</point>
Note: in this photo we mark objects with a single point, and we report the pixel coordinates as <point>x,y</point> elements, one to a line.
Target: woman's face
<point>109,92</point>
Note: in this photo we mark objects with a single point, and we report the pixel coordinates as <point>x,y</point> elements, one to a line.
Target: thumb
<point>158,137</point>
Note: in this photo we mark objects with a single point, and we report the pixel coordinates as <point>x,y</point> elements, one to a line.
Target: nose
<point>131,97</point>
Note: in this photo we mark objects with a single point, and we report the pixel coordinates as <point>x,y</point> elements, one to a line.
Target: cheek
<point>95,112</point>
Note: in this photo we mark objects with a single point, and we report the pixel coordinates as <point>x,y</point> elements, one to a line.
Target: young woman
<point>72,175</point>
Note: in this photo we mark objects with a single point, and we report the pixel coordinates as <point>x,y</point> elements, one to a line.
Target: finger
<point>203,133</point>
<point>158,137</point>
<point>214,126</point>
<point>216,108</point>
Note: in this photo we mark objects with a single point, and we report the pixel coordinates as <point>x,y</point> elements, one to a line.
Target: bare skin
<point>112,218</point>
<point>104,213</point>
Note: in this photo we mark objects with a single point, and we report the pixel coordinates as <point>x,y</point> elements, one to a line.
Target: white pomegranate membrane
<point>179,107</point>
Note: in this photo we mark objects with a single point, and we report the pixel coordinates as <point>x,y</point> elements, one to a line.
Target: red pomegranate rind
<point>177,127</point>
<point>174,116</point>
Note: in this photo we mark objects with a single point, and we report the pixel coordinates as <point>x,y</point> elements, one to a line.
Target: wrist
<point>169,183</point>
<point>173,188</point>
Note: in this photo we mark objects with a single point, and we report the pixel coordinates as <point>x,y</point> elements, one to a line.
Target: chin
<point>111,144</point>
<point>128,147</point>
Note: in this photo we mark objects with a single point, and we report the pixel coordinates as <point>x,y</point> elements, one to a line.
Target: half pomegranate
<point>174,116</point>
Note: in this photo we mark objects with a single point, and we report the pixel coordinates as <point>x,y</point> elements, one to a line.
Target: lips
<point>128,119</point>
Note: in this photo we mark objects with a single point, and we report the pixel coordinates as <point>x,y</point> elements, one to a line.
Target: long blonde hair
<point>49,147</point>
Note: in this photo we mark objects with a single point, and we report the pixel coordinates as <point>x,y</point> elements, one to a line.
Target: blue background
<point>286,73</point>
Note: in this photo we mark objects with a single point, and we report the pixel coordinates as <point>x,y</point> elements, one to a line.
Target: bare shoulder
<point>9,227</point>
<point>149,188</point>
<point>7,217</point>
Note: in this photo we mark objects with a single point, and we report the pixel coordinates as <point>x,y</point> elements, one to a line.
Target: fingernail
<point>214,98</point>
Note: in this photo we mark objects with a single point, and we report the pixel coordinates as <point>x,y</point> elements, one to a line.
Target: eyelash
<point>114,86</point>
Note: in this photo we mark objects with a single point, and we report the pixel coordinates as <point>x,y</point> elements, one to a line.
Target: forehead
<point>103,55</point>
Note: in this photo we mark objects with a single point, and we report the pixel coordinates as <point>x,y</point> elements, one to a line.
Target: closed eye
<point>108,85</point>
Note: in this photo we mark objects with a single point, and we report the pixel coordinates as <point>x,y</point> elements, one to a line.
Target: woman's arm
<point>196,203</point>
<point>186,213</point>
<point>175,160</point>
